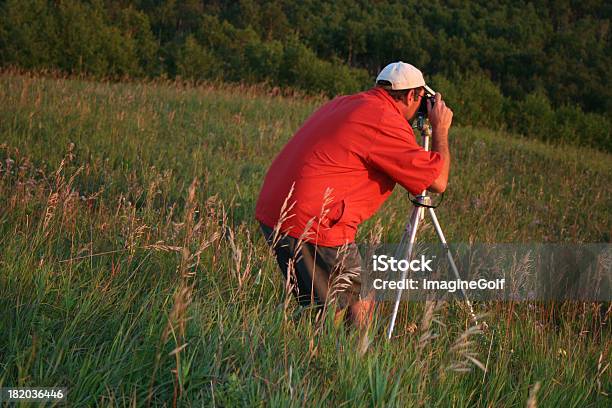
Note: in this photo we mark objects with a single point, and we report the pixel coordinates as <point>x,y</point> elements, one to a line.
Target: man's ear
<point>409,97</point>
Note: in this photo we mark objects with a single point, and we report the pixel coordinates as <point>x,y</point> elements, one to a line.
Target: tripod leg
<point>451,261</point>
<point>410,233</point>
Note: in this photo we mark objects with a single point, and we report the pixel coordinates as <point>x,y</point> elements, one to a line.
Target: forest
<point>540,69</point>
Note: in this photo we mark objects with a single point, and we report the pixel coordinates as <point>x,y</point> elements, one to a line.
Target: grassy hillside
<point>132,271</point>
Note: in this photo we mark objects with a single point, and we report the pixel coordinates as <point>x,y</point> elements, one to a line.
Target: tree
<point>196,62</point>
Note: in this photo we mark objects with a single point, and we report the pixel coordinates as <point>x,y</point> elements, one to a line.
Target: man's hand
<point>440,118</point>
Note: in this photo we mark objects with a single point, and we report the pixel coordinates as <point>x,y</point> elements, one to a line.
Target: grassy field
<point>133,273</point>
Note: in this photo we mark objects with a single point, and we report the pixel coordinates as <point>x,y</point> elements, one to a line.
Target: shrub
<point>302,68</point>
<point>475,100</point>
<point>533,116</point>
<point>196,62</point>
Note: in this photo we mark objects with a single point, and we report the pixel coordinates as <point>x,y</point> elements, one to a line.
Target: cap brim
<point>429,90</point>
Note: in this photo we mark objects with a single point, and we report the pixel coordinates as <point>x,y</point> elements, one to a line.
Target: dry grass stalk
<point>52,204</point>
<point>532,401</point>
<point>426,335</point>
<point>423,360</point>
<point>462,354</point>
<point>342,277</point>
<point>237,255</point>
<point>183,296</point>
<point>601,370</point>
<point>283,217</point>
<point>62,193</point>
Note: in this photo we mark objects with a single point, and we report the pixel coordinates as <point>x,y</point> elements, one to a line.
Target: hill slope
<point>125,280</point>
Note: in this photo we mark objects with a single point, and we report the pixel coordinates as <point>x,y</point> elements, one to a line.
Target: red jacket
<point>343,163</point>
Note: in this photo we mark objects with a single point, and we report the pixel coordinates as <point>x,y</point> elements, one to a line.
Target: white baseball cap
<point>402,76</point>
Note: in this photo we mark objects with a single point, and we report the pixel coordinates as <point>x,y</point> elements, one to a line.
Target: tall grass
<point>132,271</point>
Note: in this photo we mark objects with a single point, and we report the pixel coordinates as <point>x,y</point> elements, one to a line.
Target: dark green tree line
<point>540,68</point>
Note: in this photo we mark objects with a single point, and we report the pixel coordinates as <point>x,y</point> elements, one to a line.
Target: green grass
<point>130,283</point>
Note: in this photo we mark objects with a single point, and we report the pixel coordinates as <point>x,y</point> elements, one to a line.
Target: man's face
<point>412,105</point>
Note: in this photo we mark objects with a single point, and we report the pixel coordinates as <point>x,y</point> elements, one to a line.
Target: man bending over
<point>336,171</point>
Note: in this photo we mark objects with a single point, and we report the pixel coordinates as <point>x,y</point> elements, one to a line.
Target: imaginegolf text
<point>447,285</point>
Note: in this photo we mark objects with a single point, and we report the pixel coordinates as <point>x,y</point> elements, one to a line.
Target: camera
<point>421,115</point>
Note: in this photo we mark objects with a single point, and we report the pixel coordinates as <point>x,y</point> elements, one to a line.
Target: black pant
<point>318,274</point>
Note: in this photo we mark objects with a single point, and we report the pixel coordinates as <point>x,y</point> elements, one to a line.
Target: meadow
<point>133,272</point>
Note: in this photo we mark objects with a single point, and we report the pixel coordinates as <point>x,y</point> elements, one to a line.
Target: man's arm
<point>440,118</point>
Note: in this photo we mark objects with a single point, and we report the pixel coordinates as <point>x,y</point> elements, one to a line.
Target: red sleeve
<point>394,151</point>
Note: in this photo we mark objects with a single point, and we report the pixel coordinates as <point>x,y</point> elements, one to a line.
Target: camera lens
<point>423,107</point>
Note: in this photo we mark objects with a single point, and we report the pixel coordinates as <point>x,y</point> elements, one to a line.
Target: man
<point>336,171</point>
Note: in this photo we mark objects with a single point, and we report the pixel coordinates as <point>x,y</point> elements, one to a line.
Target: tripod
<point>422,202</point>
